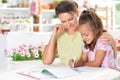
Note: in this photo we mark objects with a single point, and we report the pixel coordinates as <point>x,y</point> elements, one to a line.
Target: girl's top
<point>69,46</point>
<point>109,60</point>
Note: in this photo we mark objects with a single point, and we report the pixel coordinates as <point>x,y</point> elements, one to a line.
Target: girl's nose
<point>83,38</point>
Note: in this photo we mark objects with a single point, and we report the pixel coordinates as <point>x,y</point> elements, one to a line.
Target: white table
<point>10,73</point>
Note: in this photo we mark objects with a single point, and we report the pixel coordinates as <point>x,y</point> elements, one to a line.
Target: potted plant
<point>55,19</point>
<point>4,1</point>
<point>117,6</point>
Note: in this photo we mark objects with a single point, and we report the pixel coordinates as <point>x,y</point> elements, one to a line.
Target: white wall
<point>14,39</point>
<point>3,45</point>
<point>17,38</point>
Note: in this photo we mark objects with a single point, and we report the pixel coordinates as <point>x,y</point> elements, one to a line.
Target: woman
<point>66,41</point>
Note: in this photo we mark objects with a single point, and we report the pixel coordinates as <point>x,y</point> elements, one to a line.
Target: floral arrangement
<point>26,52</point>
<point>87,4</point>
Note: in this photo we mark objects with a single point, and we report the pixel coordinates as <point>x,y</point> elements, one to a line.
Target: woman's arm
<point>100,54</point>
<point>50,51</point>
<point>108,39</point>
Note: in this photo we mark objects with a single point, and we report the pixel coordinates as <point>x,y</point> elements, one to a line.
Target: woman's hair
<point>90,17</point>
<point>66,6</point>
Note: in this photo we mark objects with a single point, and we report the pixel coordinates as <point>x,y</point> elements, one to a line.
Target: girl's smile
<point>86,32</point>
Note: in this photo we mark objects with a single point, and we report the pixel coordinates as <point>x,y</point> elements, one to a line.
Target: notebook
<point>87,69</point>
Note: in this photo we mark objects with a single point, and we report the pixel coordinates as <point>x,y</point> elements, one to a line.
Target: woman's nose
<point>68,23</point>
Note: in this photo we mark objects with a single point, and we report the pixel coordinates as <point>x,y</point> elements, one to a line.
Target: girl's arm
<point>81,61</point>
<point>100,54</point>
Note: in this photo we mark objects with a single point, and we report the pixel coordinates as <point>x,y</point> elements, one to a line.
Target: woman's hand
<point>58,29</point>
<point>107,38</point>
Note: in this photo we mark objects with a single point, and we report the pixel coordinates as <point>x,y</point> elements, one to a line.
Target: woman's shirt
<point>69,46</point>
<point>109,60</point>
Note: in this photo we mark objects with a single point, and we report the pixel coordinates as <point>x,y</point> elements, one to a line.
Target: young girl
<point>95,52</point>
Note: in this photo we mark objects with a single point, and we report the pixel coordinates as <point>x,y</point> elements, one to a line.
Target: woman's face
<point>69,21</point>
<point>87,33</point>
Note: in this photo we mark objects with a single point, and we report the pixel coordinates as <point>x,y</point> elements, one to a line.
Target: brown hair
<point>89,16</point>
<point>66,6</point>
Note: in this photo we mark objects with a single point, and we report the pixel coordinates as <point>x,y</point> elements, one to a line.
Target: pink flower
<point>26,50</point>
<point>89,4</point>
<point>28,54</point>
<point>5,51</point>
<point>24,45</point>
<point>41,46</point>
<point>22,54</point>
<point>19,51</point>
<point>14,50</point>
<point>30,46</point>
<point>36,55</point>
<point>20,47</point>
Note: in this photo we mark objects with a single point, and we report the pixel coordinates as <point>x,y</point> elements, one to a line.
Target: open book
<point>57,72</point>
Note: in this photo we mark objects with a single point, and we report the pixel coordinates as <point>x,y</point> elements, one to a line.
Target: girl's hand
<point>58,29</point>
<point>72,63</point>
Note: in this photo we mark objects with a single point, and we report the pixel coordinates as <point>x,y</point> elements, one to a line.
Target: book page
<point>62,72</point>
<point>37,74</point>
<point>87,69</point>
<point>54,72</point>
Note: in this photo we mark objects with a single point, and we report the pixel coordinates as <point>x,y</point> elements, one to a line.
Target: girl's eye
<point>71,19</point>
<point>63,21</point>
<point>86,35</point>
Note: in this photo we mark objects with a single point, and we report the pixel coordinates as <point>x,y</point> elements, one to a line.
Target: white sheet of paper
<point>87,69</point>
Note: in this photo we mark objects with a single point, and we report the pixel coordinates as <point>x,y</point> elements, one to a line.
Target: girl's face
<point>69,21</point>
<point>87,33</point>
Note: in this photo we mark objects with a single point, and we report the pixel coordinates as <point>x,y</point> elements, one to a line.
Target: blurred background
<point>39,15</point>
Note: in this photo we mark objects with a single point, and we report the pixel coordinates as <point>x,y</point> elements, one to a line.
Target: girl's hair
<point>90,17</point>
<point>66,6</point>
